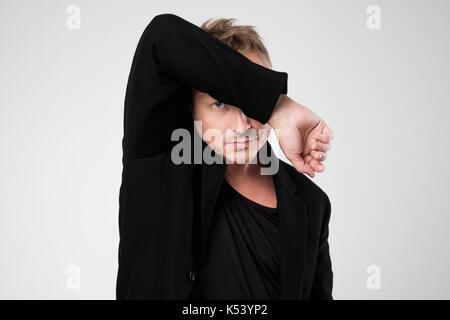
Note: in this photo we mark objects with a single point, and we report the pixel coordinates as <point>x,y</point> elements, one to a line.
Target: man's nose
<point>242,122</point>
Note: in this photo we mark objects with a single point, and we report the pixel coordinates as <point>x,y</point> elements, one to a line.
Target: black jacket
<point>165,210</point>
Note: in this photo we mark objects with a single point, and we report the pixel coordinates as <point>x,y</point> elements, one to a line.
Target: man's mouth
<point>241,140</point>
<point>245,142</point>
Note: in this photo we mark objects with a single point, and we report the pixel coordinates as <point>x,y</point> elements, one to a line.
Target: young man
<point>220,230</point>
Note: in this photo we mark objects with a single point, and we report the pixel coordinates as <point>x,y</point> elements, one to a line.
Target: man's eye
<point>218,104</point>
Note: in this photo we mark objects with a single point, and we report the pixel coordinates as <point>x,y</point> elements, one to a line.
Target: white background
<point>385,94</point>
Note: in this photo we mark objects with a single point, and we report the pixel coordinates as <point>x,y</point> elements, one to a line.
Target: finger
<point>320,146</point>
<point>301,166</point>
<point>327,131</point>
<point>316,165</point>
<point>321,126</point>
<point>318,155</point>
<point>305,168</point>
<point>322,137</point>
<point>308,158</point>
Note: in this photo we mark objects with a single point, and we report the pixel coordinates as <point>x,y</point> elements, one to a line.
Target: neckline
<point>240,195</point>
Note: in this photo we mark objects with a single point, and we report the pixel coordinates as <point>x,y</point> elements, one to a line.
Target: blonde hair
<point>242,38</point>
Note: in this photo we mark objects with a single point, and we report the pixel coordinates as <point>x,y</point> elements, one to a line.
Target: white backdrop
<point>384,92</point>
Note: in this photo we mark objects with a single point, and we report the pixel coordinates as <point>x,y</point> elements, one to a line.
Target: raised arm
<point>173,56</point>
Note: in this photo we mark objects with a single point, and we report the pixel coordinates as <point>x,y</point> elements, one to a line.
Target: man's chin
<point>242,157</point>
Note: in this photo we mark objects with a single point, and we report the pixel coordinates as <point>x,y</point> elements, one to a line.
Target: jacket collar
<point>293,221</point>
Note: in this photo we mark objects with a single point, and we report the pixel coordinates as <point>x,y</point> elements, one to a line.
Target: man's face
<point>226,129</point>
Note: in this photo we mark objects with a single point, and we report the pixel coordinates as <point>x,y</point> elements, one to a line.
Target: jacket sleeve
<point>172,57</point>
<point>323,280</point>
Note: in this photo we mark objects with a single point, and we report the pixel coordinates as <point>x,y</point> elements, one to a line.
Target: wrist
<point>285,112</point>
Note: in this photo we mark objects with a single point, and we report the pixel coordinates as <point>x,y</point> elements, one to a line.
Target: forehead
<point>254,57</point>
<point>200,96</point>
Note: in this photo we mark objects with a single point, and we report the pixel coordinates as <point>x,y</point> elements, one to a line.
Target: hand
<point>304,138</point>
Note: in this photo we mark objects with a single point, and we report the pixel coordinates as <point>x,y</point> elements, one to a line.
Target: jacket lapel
<point>211,182</point>
<point>293,235</point>
<point>211,178</point>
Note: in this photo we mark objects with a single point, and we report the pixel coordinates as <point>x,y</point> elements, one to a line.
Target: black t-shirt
<point>243,250</point>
